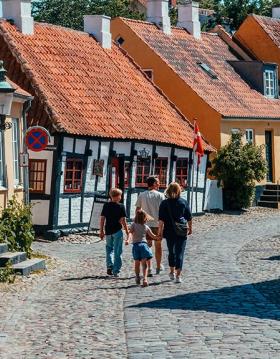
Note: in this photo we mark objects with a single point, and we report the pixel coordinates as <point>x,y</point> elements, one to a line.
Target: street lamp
<point>6,99</point>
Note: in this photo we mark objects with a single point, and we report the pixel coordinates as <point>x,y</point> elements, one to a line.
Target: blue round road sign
<point>37,139</point>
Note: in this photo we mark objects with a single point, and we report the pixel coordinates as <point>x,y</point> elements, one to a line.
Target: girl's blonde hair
<point>173,190</point>
<point>141,217</point>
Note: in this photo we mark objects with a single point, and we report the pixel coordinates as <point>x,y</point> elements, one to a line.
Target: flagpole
<point>197,168</point>
<point>193,160</point>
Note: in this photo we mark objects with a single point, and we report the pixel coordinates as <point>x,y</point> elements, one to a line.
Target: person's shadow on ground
<point>272,258</point>
<point>239,300</point>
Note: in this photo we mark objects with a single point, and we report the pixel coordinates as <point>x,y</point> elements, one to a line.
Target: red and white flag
<point>198,144</point>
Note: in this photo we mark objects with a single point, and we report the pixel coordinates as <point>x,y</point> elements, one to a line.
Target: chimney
<point>20,12</point>
<point>158,13</point>
<point>188,18</point>
<point>276,12</point>
<point>99,27</point>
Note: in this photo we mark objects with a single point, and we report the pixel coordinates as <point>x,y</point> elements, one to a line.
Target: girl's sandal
<point>137,280</point>
<point>145,283</point>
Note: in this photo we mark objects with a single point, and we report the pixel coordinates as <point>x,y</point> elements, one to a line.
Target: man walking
<point>150,201</point>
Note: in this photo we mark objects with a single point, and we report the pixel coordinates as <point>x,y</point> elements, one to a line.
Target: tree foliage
<point>237,167</point>
<point>69,13</point>
<point>234,12</point>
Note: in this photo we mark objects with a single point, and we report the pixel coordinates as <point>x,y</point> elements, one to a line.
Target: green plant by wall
<point>16,227</point>
<point>238,167</point>
<point>7,274</point>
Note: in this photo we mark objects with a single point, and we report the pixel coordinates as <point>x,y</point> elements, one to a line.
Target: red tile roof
<point>271,26</point>
<point>92,91</point>
<point>228,94</point>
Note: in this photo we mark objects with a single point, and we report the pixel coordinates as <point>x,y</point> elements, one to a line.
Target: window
<point>37,175</point>
<point>2,162</point>
<point>16,144</point>
<point>270,83</point>
<point>249,136</point>
<point>119,40</point>
<point>150,74</point>
<point>182,172</point>
<point>142,171</point>
<point>73,175</point>
<point>161,170</point>
<point>208,70</point>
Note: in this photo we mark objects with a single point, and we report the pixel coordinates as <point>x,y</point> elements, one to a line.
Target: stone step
<point>269,192</point>
<point>13,257</point>
<point>273,187</point>
<point>269,204</point>
<point>268,198</point>
<point>30,265</point>
<point>3,248</point>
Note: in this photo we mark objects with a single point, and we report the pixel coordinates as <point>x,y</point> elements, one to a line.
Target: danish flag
<point>198,144</point>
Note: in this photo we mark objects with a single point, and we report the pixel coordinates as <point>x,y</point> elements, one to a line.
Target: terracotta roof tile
<point>228,94</point>
<point>92,91</point>
<point>271,26</point>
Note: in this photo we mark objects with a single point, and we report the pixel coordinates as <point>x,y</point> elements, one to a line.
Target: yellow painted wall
<point>182,95</point>
<point>252,37</point>
<point>259,128</point>
<point>9,189</point>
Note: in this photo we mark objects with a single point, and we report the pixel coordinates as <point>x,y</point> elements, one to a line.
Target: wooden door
<point>268,155</point>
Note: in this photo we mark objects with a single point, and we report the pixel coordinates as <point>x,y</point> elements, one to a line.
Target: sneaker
<point>145,283</point>
<point>116,275</point>
<point>178,279</point>
<point>150,273</point>
<point>138,280</point>
<point>171,276</point>
<point>109,271</point>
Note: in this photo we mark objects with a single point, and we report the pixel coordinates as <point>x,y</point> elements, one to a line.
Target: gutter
<point>26,108</point>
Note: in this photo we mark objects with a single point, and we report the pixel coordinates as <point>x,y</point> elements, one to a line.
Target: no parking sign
<point>37,138</point>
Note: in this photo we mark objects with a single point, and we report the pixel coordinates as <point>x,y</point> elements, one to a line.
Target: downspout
<point>26,108</point>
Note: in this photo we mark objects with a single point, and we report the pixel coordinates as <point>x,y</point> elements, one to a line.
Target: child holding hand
<point>141,252</point>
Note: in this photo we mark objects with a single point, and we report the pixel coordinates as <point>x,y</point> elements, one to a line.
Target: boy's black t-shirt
<point>113,212</point>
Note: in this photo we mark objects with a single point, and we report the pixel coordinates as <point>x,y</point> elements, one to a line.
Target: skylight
<point>207,69</point>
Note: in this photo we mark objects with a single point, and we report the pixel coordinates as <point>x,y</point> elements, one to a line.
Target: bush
<point>237,167</point>
<point>16,227</point>
<point>7,274</point>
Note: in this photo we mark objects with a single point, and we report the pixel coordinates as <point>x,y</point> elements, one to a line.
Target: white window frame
<point>249,135</point>
<point>2,159</point>
<point>16,150</point>
<point>270,83</point>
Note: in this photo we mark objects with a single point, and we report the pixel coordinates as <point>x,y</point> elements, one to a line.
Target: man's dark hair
<point>151,181</point>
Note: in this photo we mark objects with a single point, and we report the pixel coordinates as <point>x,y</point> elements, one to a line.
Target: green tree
<point>69,13</point>
<point>237,167</point>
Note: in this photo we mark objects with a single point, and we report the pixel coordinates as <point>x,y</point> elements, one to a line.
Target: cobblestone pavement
<point>227,306</point>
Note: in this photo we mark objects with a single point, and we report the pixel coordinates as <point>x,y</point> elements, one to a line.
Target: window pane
<point>37,175</point>
<point>73,175</point>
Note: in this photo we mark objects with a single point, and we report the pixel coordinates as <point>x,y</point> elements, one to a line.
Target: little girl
<point>141,252</point>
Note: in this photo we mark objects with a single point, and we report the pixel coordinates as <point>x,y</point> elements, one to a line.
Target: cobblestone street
<point>228,305</point>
